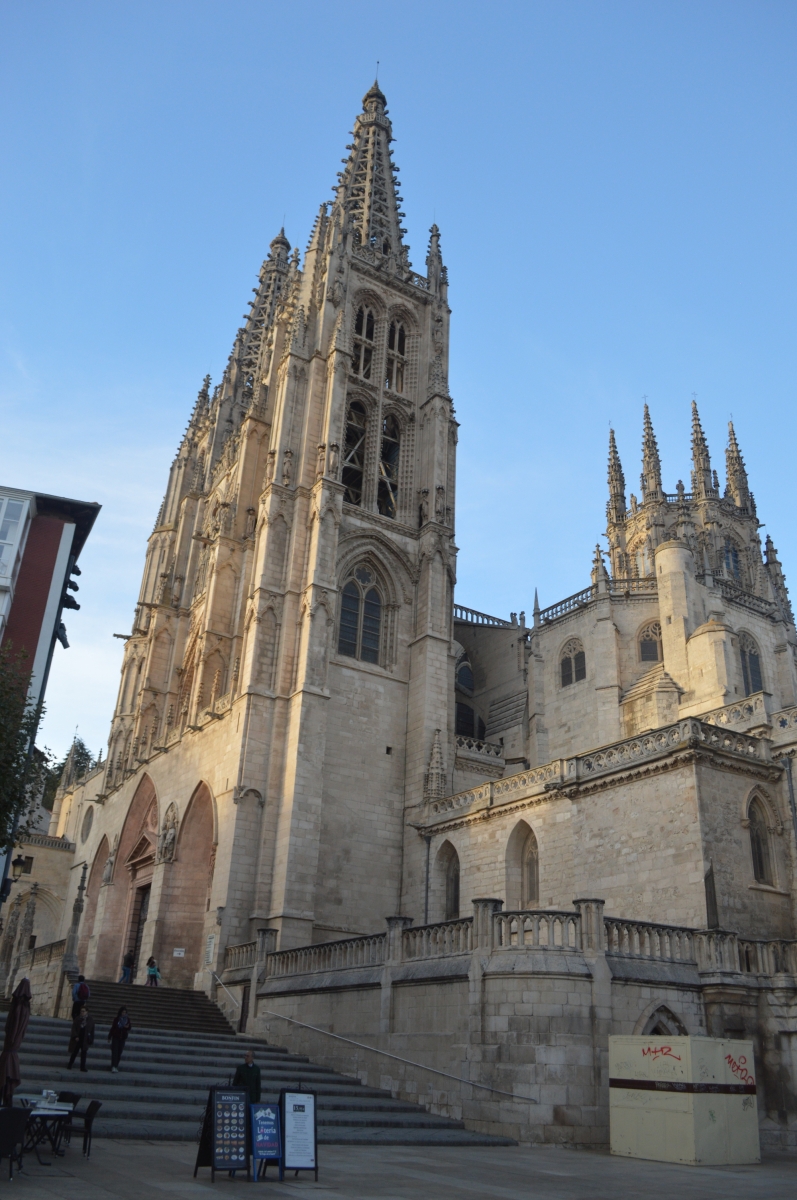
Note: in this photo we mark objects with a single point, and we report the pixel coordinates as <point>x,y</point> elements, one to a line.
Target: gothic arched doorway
<point>186,891</point>
<point>129,876</point>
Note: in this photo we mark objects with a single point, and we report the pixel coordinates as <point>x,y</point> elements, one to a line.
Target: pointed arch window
<point>650,643</point>
<point>572,663</point>
<point>452,887</point>
<point>360,617</point>
<point>751,665</point>
<point>396,356</point>
<point>732,565</point>
<point>530,880</point>
<point>759,843</point>
<point>364,332</point>
<point>354,453</point>
<point>387,494</point>
<point>465,680</point>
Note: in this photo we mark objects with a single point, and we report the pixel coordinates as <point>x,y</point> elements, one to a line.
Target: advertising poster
<point>299,1131</point>
<point>266,1132</point>
<point>229,1130</point>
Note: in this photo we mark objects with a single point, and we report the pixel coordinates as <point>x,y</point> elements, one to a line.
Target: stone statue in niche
<point>270,464</point>
<point>107,874</point>
<point>287,468</point>
<point>424,506</point>
<point>334,453</point>
<point>168,836</point>
<point>440,504</point>
<point>322,454</point>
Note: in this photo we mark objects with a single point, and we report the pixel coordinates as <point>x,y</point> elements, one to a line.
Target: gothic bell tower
<point>294,621</point>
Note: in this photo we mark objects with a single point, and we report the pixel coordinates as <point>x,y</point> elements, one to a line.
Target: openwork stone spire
<point>615,509</point>
<point>736,488</point>
<point>368,186</point>
<point>651,463</point>
<point>273,274</point>
<point>702,481</point>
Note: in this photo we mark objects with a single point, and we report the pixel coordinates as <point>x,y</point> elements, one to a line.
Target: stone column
<point>393,956</point>
<point>593,935</point>
<point>69,963</point>
<point>593,945</point>
<point>266,944</point>
<point>483,923</point>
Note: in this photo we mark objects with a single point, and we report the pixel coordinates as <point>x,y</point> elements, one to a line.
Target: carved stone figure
<point>271,459</point>
<point>287,467</point>
<point>107,874</point>
<point>319,468</point>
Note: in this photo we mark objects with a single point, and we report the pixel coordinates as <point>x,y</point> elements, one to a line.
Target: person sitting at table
<point>247,1075</point>
<point>81,1037</point>
<point>117,1036</point>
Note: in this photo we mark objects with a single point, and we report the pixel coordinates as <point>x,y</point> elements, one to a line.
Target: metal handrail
<point>397,1057</point>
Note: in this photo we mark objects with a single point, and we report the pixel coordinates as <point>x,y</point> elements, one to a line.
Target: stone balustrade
<point>743,712</point>
<point>364,951</point>
<point>242,955</point>
<point>642,939</point>
<point>473,617</point>
<point>47,843</point>
<point>492,930</point>
<point>784,723</point>
<point>45,954</point>
<point>472,744</point>
<point>537,929</point>
<point>438,940</point>
<point>682,734</point>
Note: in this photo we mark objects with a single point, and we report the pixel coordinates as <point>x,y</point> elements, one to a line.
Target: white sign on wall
<point>178,952</point>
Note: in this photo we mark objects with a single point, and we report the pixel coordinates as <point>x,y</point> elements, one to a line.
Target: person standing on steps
<point>81,994</point>
<point>127,967</point>
<point>81,1037</point>
<point>247,1075</point>
<point>117,1036</point>
<point>153,974</point>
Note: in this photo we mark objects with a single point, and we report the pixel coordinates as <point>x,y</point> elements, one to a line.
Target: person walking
<point>247,1075</point>
<point>117,1036</point>
<point>81,994</point>
<point>153,974</point>
<point>82,1036</point>
<point>127,967</point>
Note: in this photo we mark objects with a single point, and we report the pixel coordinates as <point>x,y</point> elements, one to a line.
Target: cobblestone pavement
<point>127,1170</point>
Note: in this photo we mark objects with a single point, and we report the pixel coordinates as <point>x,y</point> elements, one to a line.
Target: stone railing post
<point>593,933</point>
<point>69,963</point>
<point>483,911</point>
<point>266,944</point>
<point>394,950</point>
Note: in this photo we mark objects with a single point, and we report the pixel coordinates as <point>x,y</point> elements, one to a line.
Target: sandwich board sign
<point>266,1140</point>
<point>223,1144</point>
<point>299,1132</point>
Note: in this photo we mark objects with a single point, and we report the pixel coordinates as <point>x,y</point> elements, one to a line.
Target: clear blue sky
<point>614,182</point>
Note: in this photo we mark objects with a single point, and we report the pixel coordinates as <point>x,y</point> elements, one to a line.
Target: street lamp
<point>17,867</point>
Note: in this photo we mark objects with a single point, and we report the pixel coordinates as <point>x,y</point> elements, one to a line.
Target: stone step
<point>161,1007</point>
<point>162,1088</point>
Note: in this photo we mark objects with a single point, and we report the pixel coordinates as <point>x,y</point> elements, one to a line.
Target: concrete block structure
<point>574,827</point>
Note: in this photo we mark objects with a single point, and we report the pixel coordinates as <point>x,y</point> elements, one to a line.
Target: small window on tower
<point>354,454</point>
<point>396,357</point>
<point>751,665</point>
<point>387,496</point>
<point>650,643</point>
<point>359,632</point>
<point>573,663</point>
<point>465,676</point>
<point>364,327</point>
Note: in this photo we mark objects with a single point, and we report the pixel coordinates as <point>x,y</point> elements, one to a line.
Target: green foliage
<point>23,772</point>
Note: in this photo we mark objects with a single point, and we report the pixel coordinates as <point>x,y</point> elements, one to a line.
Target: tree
<point>23,772</point>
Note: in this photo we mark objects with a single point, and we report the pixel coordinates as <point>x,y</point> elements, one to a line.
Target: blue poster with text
<point>265,1131</point>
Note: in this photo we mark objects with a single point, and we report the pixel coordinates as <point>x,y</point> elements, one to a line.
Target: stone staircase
<point>165,1074</point>
<point>157,1008</point>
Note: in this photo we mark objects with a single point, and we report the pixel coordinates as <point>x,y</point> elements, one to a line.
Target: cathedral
<point>337,800</point>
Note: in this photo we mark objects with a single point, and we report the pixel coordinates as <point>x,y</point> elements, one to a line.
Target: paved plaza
<point>127,1170</point>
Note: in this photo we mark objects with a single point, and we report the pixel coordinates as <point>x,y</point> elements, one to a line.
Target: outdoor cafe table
<point>46,1123</point>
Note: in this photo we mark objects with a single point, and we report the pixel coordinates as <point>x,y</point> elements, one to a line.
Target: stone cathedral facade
<point>311,738</point>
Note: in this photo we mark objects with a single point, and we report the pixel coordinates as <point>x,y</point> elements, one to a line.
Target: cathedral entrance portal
<point>138,919</point>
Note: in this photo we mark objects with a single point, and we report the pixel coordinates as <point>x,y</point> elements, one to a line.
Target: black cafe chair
<point>74,1099</point>
<point>82,1123</point>
<point>13,1123</point>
